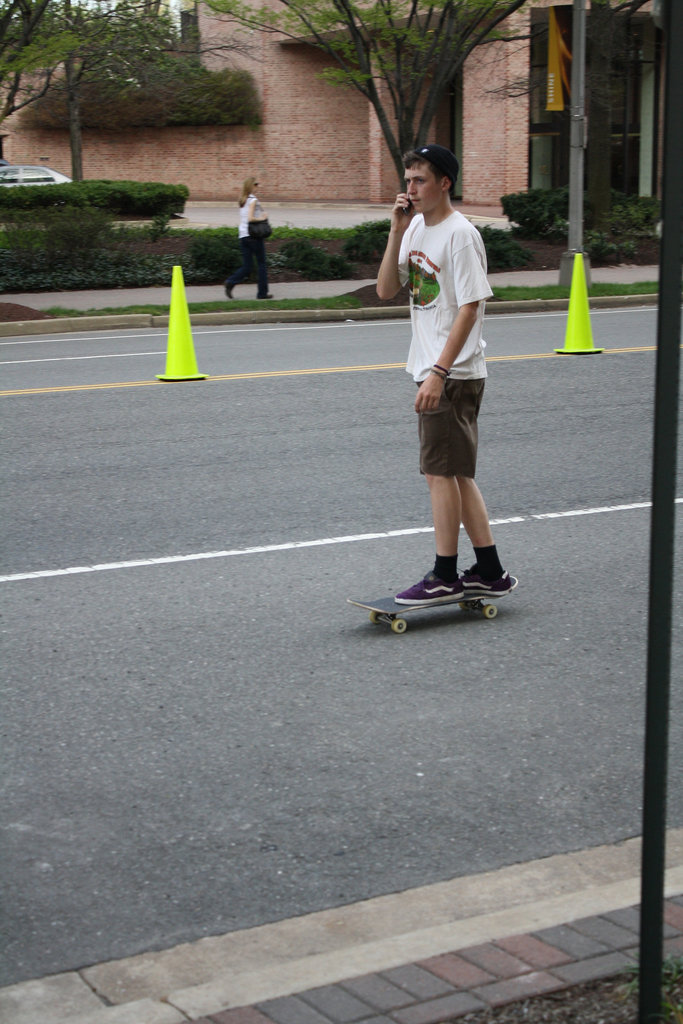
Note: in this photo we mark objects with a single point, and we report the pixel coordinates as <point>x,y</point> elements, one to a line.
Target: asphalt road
<point>210,738</point>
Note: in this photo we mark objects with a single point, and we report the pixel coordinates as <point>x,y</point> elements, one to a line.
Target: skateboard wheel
<point>374,618</point>
<point>490,611</point>
<point>399,625</point>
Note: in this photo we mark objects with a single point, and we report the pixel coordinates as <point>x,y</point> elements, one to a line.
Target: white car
<point>21,174</point>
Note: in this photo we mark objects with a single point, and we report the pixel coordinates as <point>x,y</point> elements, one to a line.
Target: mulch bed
<point>596,1002</point>
<point>605,1001</point>
<point>11,311</point>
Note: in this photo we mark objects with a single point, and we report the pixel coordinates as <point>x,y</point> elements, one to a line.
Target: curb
<point>420,956</point>
<point>110,322</point>
<point>475,979</point>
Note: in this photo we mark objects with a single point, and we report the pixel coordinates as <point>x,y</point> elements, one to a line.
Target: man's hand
<point>388,280</point>
<point>429,394</point>
<point>402,213</point>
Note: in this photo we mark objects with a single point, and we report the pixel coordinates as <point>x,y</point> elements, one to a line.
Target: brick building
<point>320,142</point>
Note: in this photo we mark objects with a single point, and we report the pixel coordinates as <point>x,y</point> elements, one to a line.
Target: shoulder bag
<point>260,228</point>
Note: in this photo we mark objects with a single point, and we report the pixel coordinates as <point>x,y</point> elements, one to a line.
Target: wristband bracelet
<point>442,368</point>
<point>443,377</point>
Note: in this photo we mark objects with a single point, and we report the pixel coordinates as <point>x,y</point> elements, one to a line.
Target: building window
<point>548,129</point>
<point>634,110</point>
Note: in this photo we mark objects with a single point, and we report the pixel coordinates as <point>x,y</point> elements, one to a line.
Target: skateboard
<point>386,610</point>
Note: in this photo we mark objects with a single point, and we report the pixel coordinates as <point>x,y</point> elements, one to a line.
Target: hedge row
<point>120,198</point>
<point>105,270</point>
<point>543,214</point>
<point>47,251</point>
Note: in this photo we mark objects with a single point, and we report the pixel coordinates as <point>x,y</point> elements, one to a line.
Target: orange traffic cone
<point>181,363</point>
<point>579,337</point>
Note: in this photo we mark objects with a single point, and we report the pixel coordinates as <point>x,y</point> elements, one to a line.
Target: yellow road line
<point>80,387</point>
<point>258,375</point>
<point>553,355</point>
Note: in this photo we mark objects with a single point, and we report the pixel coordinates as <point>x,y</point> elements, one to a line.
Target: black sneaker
<point>475,585</point>
<point>431,590</point>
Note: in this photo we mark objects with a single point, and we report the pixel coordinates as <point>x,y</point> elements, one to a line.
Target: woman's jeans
<point>252,248</point>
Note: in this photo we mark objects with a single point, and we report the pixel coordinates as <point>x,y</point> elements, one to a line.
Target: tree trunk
<point>73,106</point>
<point>75,133</point>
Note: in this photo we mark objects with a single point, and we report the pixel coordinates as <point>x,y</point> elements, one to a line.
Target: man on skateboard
<point>435,250</point>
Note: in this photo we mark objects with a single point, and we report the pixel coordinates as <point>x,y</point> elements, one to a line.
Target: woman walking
<point>251,248</point>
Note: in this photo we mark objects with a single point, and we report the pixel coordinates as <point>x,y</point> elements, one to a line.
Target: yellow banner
<point>559,59</point>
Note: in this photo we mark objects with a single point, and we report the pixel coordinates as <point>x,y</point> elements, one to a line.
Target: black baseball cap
<point>441,158</point>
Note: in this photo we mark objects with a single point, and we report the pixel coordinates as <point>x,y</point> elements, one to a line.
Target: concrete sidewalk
<point>421,956</point>
<point>322,215</point>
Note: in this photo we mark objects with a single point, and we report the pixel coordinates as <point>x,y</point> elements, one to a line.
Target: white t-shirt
<point>244,215</point>
<point>445,266</point>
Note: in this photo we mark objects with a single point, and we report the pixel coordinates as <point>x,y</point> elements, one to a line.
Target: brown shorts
<point>448,436</point>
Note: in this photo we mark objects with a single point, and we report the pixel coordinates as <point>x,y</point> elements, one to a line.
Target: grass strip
<point>512,293</point>
<point>333,302</point>
<point>516,293</point>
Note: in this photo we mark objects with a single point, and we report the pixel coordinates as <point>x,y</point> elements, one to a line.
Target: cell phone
<point>409,208</point>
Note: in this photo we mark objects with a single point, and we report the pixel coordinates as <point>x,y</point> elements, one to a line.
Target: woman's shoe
<point>268,296</point>
<point>228,290</point>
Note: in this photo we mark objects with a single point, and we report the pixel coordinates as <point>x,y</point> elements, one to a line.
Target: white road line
<point>71,359</point>
<point>199,556</point>
<point>153,332</point>
<point>150,332</point>
<point>594,511</point>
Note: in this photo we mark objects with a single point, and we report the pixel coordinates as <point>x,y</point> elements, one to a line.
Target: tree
<point>29,53</point>
<point>400,54</point>
<point>123,55</point>
<point>109,41</point>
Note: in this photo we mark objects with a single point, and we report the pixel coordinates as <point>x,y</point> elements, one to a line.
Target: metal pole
<point>577,140</point>
<point>662,530</point>
<point>577,127</point>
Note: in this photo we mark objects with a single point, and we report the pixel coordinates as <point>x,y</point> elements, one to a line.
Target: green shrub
<point>106,269</point>
<point>367,241</point>
<point>598,246</point>
<point>503,252</point>
<point>180,91</point>
<point>671,988</point>
<point>121,198</point>
<point>67,232</point>
<point>538,213</point>
<point>313,263</point>
<point>210,97</point>
<point>542,213</point>
<point>628,250</point>
<point>160,227</point>
<point>602,247</point>
<point>214,253</point>
<point>313,234</point>
<point>634,215</point>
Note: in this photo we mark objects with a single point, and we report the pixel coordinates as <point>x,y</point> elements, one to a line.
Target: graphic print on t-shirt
<point>424,285</point>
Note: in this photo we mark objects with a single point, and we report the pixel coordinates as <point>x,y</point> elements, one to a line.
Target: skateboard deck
<point>386,610</point>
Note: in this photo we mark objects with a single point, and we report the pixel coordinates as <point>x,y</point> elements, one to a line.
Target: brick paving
<point>443,988</point>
